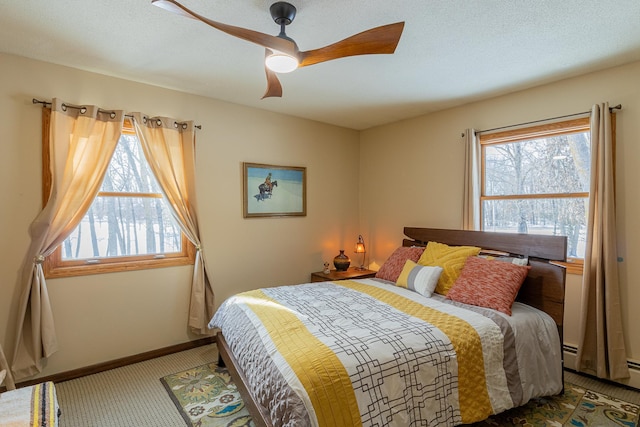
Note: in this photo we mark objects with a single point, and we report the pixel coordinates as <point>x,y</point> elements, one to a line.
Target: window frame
<point>573,265</point>
<point>55,267</point>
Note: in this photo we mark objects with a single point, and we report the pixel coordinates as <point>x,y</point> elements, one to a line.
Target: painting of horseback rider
<point>281,190</point>
<point>266,188</point>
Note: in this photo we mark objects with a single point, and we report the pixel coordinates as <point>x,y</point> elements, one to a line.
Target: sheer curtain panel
<point>169,147</point>
<point>471,202</point>
<point>82,141</point>
<point>601,351</point>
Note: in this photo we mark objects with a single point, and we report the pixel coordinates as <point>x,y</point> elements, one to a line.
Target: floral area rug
<point>207,397</point>
<point>577,407</point>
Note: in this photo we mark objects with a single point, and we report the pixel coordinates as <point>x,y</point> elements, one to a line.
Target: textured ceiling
<point>451,52</point>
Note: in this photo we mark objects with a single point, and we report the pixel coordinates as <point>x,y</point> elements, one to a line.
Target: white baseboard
<point>570,353</point>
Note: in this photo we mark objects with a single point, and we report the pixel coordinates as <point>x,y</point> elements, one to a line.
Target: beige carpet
<point>133,396</point>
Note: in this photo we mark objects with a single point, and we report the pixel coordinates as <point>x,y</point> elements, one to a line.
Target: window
<point>129,225</point>
<point>536,180</point>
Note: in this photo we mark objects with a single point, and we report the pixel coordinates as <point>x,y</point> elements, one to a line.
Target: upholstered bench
<point>35,405</point>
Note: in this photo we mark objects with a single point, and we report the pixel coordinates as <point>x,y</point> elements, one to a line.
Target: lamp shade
<point>281,63</point>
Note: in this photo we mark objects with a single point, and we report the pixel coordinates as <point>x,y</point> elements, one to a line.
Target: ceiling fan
<point>281,52</point>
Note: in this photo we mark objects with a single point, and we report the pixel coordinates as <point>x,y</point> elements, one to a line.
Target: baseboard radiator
<point>570,353</point>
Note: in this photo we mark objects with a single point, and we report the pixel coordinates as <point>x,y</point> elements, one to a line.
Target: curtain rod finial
<point>37,101</point>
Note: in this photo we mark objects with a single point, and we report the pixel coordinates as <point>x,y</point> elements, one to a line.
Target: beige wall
<point>411,173</point>
<point>407,173</point>
<point>104,317</point>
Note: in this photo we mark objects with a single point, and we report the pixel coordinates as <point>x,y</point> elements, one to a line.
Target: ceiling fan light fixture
<point>281,63</point>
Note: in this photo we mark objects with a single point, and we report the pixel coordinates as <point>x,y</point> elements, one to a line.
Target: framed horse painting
<point>273,191</point>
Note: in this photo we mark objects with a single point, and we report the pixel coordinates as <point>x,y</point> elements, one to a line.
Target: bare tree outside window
<point>129,216</point>
<point>536,181</point>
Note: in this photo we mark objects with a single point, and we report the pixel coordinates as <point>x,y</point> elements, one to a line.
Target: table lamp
<point>360,249</point>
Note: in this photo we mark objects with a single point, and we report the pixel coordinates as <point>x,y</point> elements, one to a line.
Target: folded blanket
<point>30,406</point>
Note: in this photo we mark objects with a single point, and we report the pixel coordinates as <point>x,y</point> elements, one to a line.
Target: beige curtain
<point>82,141</point>
<point>601,351</point>
<point>5,372</point>
<point>170,150</point>
<point>471,203</point>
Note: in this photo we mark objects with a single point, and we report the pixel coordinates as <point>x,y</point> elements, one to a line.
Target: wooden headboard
<point>545,284</point>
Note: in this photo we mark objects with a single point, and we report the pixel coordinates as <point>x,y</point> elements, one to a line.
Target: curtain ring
<point>39,259</point>
<point>144,119</point>
<point>184,126</point>
<point>158,122</point>
<point>112,115</point>
<point>64,107</point>
<point>83,110</point>
<point>175,125</point>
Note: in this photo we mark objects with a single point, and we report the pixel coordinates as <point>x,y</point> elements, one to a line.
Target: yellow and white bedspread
<point>365,352</point>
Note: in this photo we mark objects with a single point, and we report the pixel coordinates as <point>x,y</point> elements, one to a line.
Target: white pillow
<point>512,260</point>
<point>419,278</point>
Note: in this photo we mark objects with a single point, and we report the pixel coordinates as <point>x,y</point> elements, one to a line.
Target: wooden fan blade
<point>266,40</point>
<point>377,40</point>
<point>274,88</point>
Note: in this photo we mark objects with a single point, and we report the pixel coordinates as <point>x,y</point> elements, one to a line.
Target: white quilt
<point>369,353</point>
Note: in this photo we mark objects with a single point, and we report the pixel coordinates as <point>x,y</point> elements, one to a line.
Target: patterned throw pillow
<point>419,278</point>
<point>490,284</point>
<point>450,258</point>
<point>392,267</point>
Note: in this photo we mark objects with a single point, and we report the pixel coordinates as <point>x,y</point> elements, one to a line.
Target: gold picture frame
<point>273,191</point>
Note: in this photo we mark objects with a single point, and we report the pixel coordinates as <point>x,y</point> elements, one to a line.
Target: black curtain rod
<point>100,110</point>
<point>616,107</point>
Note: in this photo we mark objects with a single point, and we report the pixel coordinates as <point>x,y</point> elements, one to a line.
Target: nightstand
<point>351,273</point>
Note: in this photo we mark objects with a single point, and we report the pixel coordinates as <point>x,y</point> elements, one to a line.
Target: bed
<point>374,352</point>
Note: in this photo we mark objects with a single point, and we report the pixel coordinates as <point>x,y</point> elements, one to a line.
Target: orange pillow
<point>490,284</point>
<point>393,266</point>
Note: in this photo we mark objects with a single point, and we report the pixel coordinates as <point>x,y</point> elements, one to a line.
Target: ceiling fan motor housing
<point>282,12</point>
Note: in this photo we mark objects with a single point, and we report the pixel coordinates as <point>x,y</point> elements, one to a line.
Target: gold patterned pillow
<point>450,258</point>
